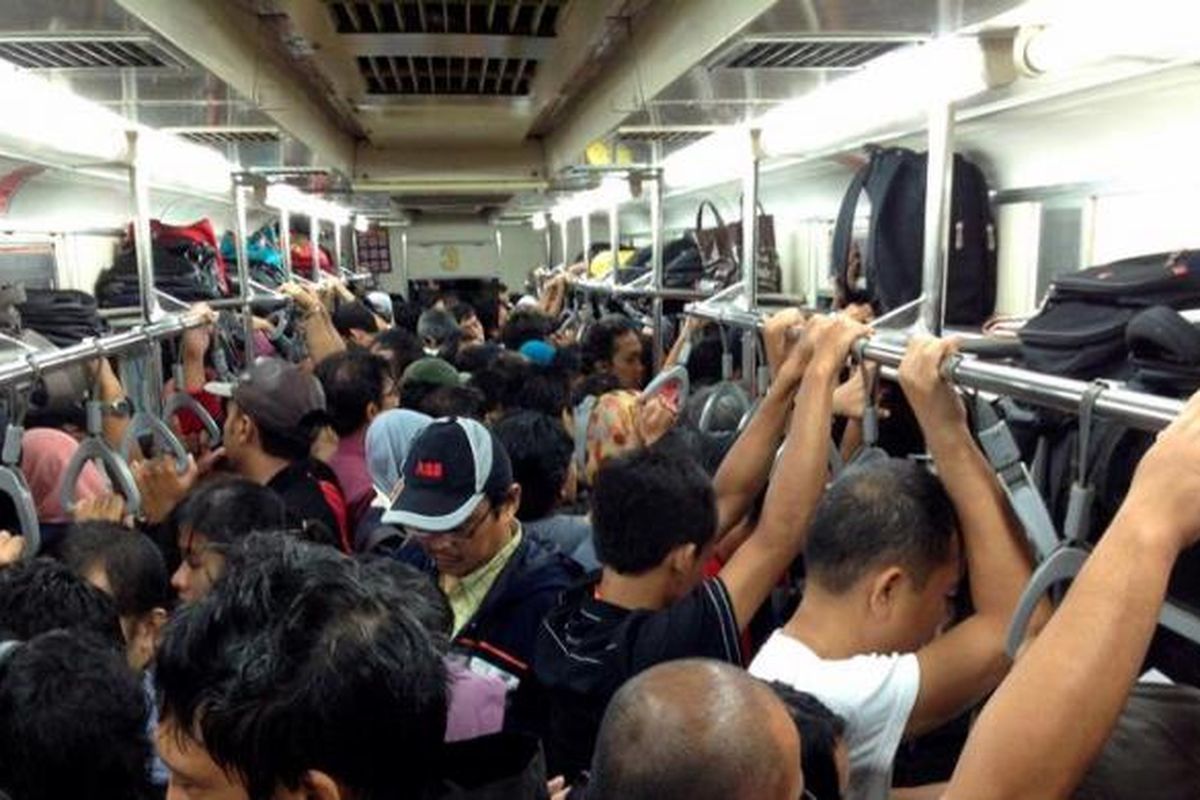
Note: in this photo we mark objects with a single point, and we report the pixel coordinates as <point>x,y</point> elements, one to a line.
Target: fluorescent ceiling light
<point>717,158</point>
<point>611,192</point>
<point>897,86</point>
<point>1076,34</point>
<point>290,199</point>
<point>47,122</point>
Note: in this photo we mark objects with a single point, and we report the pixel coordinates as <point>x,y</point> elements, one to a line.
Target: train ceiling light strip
<point>288,198</point>
<point>54,126</point>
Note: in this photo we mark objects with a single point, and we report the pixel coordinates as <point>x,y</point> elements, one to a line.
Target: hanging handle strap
<point>1083,493</point>
<point>12,483</point>
<point>1000,447</point>
<point>182,401</point>
<point>143,423</point>
<point>94,448</point>
<point>1060,567</point>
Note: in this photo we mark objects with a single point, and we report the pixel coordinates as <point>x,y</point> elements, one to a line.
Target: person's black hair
<point>647,502</point>
<point>352,380</point>
<point>502,381</point>
<point>228,509</point>
<point>42,595</point>
<point>525,325</point>
<point>545,389</point>
<point>406,313</point>
<point>888,512</point>
<point>424,600</point>
<point>569,359</point>
<point>402,346</point>
<point>452,401</point>
<point>595,385</point>
<point>541,451</point>
<point>291,445</point>
<point>133,565</point>
<point>820,731</point>
<point>463,311</point>
<point>600,341</point>
<point>438,327</point>
<point>354,315</point>
<point>302,659</point>
<point>414,394</point>
<point>704,362</point>
<point>477,357</point>
<point>72,721</point>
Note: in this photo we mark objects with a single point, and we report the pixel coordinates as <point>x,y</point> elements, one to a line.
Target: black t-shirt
<point>588,648</point>
<point>311,499</point>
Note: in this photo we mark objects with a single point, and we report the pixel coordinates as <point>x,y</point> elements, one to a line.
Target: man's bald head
<point>696,729</point>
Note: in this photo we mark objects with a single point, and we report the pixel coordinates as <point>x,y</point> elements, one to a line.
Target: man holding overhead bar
<point>1051,716</point>
<point>884,559</point>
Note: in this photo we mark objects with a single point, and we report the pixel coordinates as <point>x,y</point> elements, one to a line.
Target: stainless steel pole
<point>1136,409</point>
<point>563,232</point>
<point>585,229</point>
<point>337,248</point>
<point>142,243</point>
<point>614,235</point>
<point>749,259</point>
<point>35,364</point>
<point>314,246</point>
<point>938,187</point>
<point>243,265</point>
<point>285,241</point>
<point>656,263</point>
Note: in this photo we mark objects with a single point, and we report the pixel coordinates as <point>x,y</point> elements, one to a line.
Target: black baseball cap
<point>451,467</point>
<point>277,395</point>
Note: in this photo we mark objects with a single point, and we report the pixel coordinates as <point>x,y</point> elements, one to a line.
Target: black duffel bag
<point>1081,329</point>
<point>63,316</point>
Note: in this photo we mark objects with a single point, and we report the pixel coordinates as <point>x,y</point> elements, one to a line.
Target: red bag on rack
<point>302,259</point>
<point>200,232</point>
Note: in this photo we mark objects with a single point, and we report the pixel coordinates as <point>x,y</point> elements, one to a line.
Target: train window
<point>1061,242</point>
<point>28,263</point>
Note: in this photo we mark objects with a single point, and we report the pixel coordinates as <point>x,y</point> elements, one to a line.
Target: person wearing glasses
<point>458,507</point>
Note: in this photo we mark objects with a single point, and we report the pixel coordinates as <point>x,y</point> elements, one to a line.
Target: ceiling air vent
<point>232,135</point>
<point>823,53</point>
<point>86,51</point>
<point>494,17</point>
<point>447,75</point>
<point>677,135</point>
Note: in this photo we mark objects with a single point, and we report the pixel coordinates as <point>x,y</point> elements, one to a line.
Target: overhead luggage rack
<point>100,51</point>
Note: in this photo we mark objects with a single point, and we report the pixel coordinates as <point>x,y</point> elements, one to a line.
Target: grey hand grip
<point>182,401</point>
<point>722,390</point>
<point>143,423</point>
<point>116,467</point>
<point>1062,565</point>
<point>12,483</point>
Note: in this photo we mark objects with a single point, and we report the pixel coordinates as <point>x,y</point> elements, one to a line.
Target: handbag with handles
<point>767,269</point>
<point>718,264</point>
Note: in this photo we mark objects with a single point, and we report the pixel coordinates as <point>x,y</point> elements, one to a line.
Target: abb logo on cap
<point>430,470</point>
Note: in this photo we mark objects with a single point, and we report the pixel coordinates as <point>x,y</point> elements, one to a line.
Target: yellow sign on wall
<point>450,259</point>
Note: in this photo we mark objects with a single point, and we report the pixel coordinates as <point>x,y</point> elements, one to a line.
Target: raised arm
<point>747,466</point>
<point>319,334</point>
<point>1054,712</point>
<point>962,666</point>
<point>799,478</point>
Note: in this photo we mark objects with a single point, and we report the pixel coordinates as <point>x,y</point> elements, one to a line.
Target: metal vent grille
<point>228,135</point>
<point>809,53</point>
<point>494,17</point>
<point>86,51</point>
<point>440,75</point>
<point>680,135</point>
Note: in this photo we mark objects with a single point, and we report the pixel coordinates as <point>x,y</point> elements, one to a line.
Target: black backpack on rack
<point>894,182</point>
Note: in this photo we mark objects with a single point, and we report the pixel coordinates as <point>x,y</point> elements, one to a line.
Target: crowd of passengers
<point>459,553</point>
